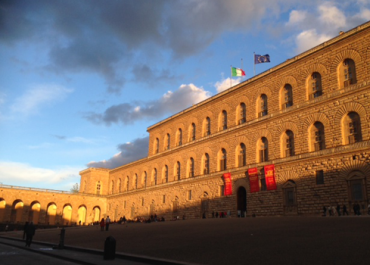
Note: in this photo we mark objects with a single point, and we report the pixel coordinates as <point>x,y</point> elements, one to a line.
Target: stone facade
<point>309,117</point>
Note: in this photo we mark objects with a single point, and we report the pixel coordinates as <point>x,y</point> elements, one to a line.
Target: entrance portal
<point>242,202</point>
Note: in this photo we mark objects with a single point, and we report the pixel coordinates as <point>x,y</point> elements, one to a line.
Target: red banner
<point>270,177</point>
<point>228,184</point>
<point>253,179</point>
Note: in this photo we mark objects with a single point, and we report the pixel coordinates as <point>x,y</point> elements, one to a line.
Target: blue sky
<point>82,80</point>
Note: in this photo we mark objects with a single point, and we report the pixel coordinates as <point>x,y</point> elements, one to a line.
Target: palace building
<point>286,142</point>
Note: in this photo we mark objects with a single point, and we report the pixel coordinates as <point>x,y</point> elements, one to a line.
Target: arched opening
<point>51,213</point>
<point>17,211</point>
<point>96,214</point>
<point>241,202</point>
<point>356,184</point>
<point>351,128</point>
<point>314,87</point>
<point>290,198</point>
<point>67,215</point>
<point>34,213</point>
<point>82,215</point>
<point>286,96</point>
<point>2,209</point>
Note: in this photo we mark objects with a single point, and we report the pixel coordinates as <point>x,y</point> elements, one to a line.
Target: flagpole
<point>242,67</point>
<point>231,73</point>
<point>254,63</point>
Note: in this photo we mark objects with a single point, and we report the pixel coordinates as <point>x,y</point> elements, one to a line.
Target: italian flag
<point>237,72</point>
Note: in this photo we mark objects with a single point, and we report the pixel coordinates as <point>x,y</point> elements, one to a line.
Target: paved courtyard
<point>260,240</point>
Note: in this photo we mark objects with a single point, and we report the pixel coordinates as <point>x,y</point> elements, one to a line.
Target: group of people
<point>216,215</point>
<point>338,210</point>
<point>105,223</point>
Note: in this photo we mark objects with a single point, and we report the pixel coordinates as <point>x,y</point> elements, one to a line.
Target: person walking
<point>344,210</point>
<point>25,230</point>
<point>324,211</point>
<point>107,222</point>
<point>338,209</point>
<point>30,232</point>
<point>102,224</point>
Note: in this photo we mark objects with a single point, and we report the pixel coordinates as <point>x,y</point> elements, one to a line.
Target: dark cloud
<point>145,74</point>
<point>129,152</point>
<point>169,103</point>
<point>106,37</point>
<point>60,137</point>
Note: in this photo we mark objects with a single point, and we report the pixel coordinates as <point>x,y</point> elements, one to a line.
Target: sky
<point>82,80</point>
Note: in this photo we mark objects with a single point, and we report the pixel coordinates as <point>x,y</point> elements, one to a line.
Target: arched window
<point>206,164</point>
<point>127,183</point>
<point>192,132</point>
<point>317,136</point>
<point>98,188</point>
<point>263,149</point>
<point>223,120</point>
<point>351,125</point>
<point>314,86</point>
<point>165,174</point>
<point>145,179</point>
<point>262,106</point>
<point>287,143</point>
<point>156,146</point>
<point>191,167</point>
<point>242,114</point>
<point>112,186</point>
<point>167,142</point>
<point>348,73</point>
<point>223,160</point>
<point>179,137</point>
<point>242,155</point>
<point>286,96</point>
<point>207,127</point>
<point>178,170</point>
<point>136,181</point>
<point>119,185</point>
<point>155,176</point>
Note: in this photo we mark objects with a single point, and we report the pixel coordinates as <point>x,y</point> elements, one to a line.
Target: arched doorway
<point>2,209</point>
<point>81,215</point>
<point>356,183</point>
<point>96,212</point>
<point>34,213</point>
<point>51,213</point>
<point>290,198</point>
<point>17,212</point>
<point>242,202</point>
<point>67,215</point>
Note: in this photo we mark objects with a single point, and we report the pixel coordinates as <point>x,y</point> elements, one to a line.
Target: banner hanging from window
<point>228,184</point>
<point>253,179</point>
<point>270,177</point>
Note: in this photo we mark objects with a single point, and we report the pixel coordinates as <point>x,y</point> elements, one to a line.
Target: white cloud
<point>310,38</point>
<point>364,14</point>
<point>331,16</point>
<point>37,97</point>
<point>296,17</point>
<point>227,83</point>
<point>20,174</point>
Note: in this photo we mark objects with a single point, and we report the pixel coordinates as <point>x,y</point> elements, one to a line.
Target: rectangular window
<point>189,195</point>
<point>319,177</point>
<point>142,202</point>
<point>164,198</point>
<point>124,205</point>
<point>222,190</point>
